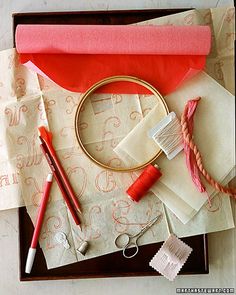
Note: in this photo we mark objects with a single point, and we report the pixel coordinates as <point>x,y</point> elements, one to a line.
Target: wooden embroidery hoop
<point>90,91</point>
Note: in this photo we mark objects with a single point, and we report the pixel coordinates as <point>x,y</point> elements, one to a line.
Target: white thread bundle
<point>168,135</point>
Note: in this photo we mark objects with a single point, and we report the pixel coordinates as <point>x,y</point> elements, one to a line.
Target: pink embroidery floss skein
<point>193,156</point>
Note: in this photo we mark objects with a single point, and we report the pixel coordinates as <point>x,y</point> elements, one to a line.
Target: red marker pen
<point>46,136</point>
<point>39,222</point>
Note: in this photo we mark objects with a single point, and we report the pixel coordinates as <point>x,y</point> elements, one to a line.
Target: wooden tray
<point>111,265</point>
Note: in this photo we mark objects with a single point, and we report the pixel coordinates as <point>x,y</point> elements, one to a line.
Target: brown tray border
<point>109,18</point>
<point>39,257</point>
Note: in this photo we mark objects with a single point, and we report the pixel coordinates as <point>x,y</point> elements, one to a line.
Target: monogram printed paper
<point>26,103</point>
<point>101,193</point>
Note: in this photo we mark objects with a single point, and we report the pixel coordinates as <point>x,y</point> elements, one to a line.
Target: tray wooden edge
<point>24,278</point>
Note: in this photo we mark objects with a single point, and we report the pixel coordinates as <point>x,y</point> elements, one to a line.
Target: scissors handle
<point>124,241</point>
<point>134,250</point>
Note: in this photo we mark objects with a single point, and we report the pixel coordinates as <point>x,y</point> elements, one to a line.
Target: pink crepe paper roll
<point>164,56</point>
<point>110,39</point>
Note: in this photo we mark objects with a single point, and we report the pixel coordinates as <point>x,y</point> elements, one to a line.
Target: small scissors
<point>132,240</point>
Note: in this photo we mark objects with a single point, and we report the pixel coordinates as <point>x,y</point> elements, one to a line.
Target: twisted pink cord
<point>193,156</point>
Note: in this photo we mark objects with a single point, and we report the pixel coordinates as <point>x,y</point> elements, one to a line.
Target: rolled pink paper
<point>113,39</point>
<point>164,56</point>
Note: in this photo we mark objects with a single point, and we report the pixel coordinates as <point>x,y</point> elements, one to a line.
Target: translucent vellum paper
<point>106,119</point>
<point>215,107</point>
<point>137,140</point>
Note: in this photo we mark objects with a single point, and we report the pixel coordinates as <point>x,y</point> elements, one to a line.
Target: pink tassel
<point>193,156</point>
<point>191,163</point>
<point>190,109</point>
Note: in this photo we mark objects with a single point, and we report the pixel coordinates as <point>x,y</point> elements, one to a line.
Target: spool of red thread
<point>144,182</point>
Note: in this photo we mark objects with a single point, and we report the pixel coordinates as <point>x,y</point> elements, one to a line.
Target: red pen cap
<point>47,138</point>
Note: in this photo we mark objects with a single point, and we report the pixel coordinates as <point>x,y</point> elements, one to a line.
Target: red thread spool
<point>143,183</point>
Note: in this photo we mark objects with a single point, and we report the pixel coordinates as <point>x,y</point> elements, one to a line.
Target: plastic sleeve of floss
<point>143,183</point>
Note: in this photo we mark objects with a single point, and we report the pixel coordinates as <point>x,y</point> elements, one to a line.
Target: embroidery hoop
<point>90,91</point>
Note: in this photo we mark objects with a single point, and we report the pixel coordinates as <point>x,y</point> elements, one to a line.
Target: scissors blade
<point>150,224</point>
